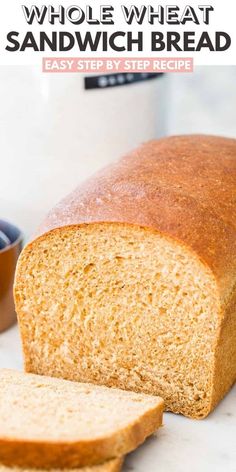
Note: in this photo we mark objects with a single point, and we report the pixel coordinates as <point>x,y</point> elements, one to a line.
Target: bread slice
<point>53,423</point>
<point>131,280</point>
<point>113,465</point>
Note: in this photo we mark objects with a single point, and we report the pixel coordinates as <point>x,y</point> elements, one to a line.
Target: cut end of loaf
<point>122,306</point>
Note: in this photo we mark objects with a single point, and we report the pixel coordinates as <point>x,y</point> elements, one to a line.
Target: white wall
<point>204,101</point>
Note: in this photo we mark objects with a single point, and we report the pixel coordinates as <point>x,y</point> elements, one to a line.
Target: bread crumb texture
<point>122,307</point>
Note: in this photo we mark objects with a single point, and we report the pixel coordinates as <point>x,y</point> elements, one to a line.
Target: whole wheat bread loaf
<point>131,279</point>
<point>53,423</point>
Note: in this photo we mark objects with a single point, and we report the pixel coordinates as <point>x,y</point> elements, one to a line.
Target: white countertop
<point>182,445</point>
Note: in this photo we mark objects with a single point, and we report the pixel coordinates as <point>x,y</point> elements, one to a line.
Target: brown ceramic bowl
<point>8,258</point>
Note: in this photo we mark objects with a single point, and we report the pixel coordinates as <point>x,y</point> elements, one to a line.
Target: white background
<point>222,19</point>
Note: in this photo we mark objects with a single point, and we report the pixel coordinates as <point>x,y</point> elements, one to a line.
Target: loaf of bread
<point>113,465</point>
<point>52,423</point>
<point>130,282</point>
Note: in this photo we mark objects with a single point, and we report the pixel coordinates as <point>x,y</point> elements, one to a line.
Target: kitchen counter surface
<point>182,445</point>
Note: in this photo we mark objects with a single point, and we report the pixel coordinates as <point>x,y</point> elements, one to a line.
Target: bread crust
<point>113,465</point>
<point>60,455</point>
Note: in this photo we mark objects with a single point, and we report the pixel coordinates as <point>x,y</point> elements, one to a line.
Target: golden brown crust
<point>184,186</point>
<point>113,465</point>
<point>48,455</point>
